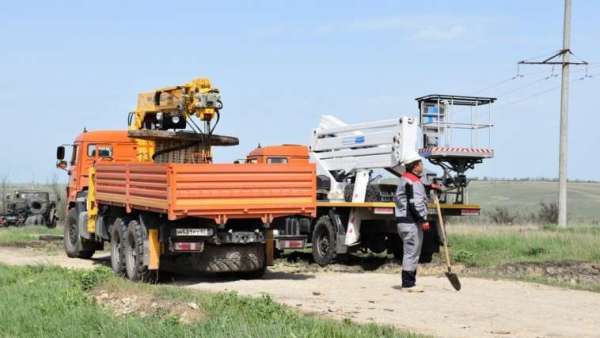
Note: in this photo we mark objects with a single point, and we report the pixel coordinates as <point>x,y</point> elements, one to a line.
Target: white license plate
<point>383,211</point>
<point>193,232</point>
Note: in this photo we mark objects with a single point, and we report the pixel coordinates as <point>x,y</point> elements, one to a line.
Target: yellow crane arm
<point>171,108</point>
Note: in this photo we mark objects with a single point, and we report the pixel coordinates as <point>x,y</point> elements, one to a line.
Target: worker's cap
<point>411,158</point>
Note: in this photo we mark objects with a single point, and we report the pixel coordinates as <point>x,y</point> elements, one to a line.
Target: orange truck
<point>176,216</point>
<point>155,194</point>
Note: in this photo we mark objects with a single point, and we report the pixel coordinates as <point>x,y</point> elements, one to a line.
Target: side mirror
<point>60,153</point>
<point>62,164</point>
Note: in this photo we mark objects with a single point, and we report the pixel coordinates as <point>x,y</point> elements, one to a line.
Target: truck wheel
<point>75,246</point>
<point>51,222</point>
<point>243,260</point>
<point>324,241</point>
<point>117,251</point>
<point>133,242</point>
<point>261,263</point>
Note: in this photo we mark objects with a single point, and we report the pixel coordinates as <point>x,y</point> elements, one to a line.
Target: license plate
<point>188,232</point>
<point>291,244</point>
<point>383,211</point>
<point>189,246</point>
<point>469,212</point>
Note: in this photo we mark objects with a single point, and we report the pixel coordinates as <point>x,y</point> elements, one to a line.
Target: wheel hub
<point>323,244</point>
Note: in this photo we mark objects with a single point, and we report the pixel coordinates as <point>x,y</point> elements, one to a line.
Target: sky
<point>280,65</point>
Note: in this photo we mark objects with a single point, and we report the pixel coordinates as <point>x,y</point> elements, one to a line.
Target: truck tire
<point>324,241</point>
<point>133,240</point>
<point>51,222</point>
<point>75,246</point>
<point>117,251</point>
<point>36,207</point>
<point>245,260</point>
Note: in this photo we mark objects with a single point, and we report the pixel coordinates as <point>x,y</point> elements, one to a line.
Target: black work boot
<point>409,279</point>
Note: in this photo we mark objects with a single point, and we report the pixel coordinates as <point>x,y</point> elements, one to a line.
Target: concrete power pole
<point>565,52</point>
<point>564,120</point>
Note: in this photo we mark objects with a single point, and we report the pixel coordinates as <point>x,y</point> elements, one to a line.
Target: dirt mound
<point>571,272</point>
<point>143,303</point>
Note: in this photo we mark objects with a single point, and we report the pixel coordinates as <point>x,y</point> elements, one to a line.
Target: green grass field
<point>55,302</point>
<point>524,197</point>
<point>563,257</point>
<point>497,245</point>
<point>26,234</point>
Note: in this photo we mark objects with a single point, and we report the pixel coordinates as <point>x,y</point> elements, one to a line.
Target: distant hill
<point>525,196</point>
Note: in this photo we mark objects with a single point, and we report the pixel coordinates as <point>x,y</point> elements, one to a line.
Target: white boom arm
<point>355,149</point>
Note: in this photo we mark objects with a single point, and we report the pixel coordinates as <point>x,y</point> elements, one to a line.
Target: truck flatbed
<point>216,191</point>
<point>448,209</point>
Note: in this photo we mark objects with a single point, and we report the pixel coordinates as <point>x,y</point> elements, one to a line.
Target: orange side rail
<point>216,191</point>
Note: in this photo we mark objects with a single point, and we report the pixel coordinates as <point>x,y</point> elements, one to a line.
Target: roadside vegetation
<point>28,235</point>
<point>44,301</point>
<point>523,199</point>
<point>546,254</point>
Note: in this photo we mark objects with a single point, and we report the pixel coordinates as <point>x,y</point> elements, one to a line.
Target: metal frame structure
<point>347,153</point>
<point>435,117</point>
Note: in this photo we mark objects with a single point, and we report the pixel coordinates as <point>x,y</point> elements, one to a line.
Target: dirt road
<point>484,308</point>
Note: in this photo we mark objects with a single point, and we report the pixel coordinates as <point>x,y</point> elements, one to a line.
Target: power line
<point>539,93</point>
<point>530,84</point>
<point>520,75</point>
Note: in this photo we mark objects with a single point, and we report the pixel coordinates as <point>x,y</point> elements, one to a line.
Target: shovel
<point>452,277</point>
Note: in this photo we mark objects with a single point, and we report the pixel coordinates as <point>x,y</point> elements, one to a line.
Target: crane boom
<point>171,108</point>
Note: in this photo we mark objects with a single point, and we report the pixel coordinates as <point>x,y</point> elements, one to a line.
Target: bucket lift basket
<point>451,142</point>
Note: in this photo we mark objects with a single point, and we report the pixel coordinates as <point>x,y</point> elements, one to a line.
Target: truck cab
<point>280,154</point>
<point>90,147</point>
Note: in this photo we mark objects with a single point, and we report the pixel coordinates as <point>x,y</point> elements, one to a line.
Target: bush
<point>501,215</point>
<point>536,251</point>
<point>464,256</point>
<point>89,279</point>
<point>548,213</point>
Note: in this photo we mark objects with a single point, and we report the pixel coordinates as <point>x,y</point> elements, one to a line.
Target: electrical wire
<point>497,84</point>
<point>539,93</point>
<point>520,88</point>
<point>520,75</point>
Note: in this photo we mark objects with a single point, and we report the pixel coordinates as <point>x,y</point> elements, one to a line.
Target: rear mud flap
<point>82,224</point>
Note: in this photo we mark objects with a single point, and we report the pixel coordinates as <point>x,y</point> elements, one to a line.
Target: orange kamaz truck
<point>155,194</point>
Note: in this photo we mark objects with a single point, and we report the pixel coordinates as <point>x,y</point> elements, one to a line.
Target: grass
<point>524,197</point>
<point>497,245</point>
<point>26,234</point>
<point>526,253</point>
<point>55,302</point>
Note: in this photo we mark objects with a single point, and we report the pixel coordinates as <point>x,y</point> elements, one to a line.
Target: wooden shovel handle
<point>443,227</point>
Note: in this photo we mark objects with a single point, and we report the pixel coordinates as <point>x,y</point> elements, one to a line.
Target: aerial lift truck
<point>355,208</point>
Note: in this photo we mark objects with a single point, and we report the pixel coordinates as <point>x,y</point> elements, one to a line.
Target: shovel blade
<point>453,278</point>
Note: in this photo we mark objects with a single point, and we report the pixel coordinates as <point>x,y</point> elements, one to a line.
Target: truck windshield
<point>277,160</point>
<point>99,150</point>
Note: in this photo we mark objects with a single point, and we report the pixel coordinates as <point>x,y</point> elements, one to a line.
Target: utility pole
<point>564,120</point>
<point>565,52</point>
